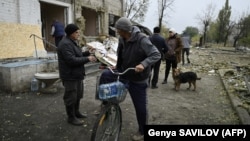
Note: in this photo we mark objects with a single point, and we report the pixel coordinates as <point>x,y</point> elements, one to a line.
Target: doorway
<point>49,13</point>
<point>91,21</point>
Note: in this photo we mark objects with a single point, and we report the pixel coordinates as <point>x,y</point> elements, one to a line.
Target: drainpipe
<point>74,7</point>
<point>103,18</point>
<point>34,44</point>
<point>18,12</point>
<point>122,3</point>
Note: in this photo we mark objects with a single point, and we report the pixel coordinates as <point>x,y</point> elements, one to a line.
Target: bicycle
<point>108,124</point>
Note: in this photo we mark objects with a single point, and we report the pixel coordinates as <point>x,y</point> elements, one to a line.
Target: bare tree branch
<point>205,19</point>
<point>129,6</point>
<point>135,9</point>
<point>163,5</point>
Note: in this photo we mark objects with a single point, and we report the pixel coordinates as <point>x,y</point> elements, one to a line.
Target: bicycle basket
<point>113,92</point>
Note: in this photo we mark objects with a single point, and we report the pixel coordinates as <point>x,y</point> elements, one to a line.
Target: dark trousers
<point>155,70</point>
<point>185,50</point>
<point>57,40</point>
<point>73,91</point>
<point>138,95</point>
<point>170,63</point>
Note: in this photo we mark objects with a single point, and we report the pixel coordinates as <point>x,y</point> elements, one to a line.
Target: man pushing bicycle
<point>134,51</point>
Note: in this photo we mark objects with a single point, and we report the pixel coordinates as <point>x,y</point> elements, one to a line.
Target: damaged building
<point>26,44</point>
<point>20,19</point>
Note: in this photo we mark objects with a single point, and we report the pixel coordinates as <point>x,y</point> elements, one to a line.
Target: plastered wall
<point>15,40</point>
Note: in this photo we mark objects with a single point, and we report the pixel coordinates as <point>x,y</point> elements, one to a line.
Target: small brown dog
<point>184,77</point>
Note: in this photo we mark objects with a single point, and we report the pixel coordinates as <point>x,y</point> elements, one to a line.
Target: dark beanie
<point>123,24</point>
<point>71,28</point>
<point>157,29</point>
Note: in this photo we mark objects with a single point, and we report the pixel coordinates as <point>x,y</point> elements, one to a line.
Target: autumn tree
<point>163,5</point>
<point>242,30</point>
<point>228,31</point>
<point>225,26</point>
<point>164,31</point>
<point>136,9</point>
<point>212,33</point>
<point>205,19</point>
<point>191,31</point>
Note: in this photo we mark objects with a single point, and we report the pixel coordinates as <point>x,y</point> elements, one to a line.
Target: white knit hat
<point>172,30</point>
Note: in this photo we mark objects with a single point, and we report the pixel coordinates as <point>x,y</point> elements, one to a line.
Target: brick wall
<point>115,7</point>
<point>20,11</point>
<point>111,6</point>
<point>8,11</point>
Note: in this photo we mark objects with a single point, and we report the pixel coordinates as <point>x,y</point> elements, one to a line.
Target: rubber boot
<point>71,116</point>
<point>77,112</point>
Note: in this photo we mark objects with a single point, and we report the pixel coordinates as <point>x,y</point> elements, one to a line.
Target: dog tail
<point>198,78</point>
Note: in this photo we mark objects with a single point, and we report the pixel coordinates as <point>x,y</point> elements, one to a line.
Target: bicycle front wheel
<point>108,124</point>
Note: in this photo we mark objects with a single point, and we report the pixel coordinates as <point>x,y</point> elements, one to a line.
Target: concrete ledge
<point>236,102</point>
<point>16,76</point>
<point>243,115</point>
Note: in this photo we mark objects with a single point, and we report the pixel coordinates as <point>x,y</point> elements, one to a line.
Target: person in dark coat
<point>71,62</point>
<point>161,45</point>
<point>135,50</point>
<point>57,31</point>
<point>186,41</point>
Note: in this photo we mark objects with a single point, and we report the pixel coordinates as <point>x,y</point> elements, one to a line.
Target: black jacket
<point>71,60</point>
<point>137,50</point>
<point>159,42</point>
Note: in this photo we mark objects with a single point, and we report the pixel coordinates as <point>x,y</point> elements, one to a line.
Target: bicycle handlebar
<point>120,73</point>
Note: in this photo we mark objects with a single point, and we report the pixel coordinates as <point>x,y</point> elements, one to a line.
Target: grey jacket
<point>137,50</point>
<point>186,41</point>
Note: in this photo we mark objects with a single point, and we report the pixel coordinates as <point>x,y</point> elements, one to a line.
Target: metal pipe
<point>34,44</point>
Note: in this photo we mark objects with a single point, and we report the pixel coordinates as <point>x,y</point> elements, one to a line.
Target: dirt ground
<point>42,116</point>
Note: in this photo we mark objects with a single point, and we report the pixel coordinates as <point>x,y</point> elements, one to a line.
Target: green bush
<point>245,41</point>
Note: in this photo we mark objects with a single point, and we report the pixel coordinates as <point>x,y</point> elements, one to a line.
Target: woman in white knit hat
<point>173,56</point>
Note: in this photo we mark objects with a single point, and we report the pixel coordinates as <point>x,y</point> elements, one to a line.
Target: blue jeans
<point>138,95</point>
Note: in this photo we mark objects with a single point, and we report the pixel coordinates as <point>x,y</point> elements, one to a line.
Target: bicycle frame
<point>109,122</point>
<point>110,88</point>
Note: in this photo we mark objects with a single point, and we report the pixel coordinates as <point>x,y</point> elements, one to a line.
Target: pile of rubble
<point>106,50</point>
<point>238,83</point>
<point>233,67</point>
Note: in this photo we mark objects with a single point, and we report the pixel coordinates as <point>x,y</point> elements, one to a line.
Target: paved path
<point>31,116</point>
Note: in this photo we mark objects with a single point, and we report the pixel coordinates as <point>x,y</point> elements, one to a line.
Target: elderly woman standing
<point>173,55</point>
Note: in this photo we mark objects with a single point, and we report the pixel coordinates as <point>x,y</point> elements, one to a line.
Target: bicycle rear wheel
<point>108,124</point>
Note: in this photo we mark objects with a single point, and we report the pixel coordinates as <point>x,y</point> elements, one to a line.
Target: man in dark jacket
<point>71,62</point>
<point>135,50</point>
<point>161,45</point>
